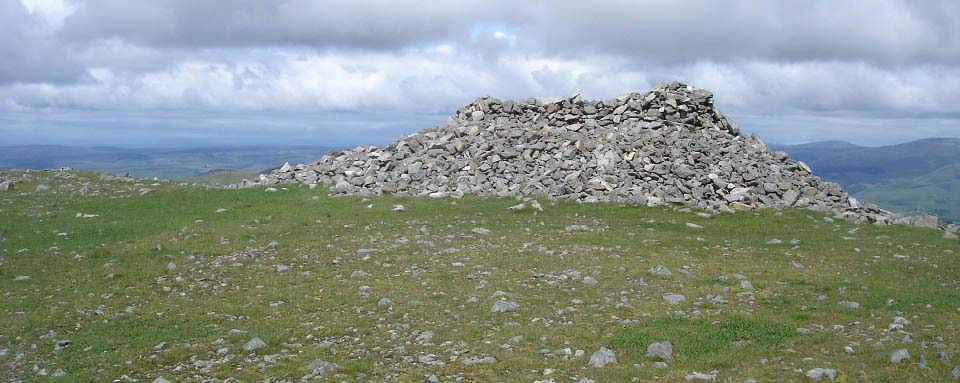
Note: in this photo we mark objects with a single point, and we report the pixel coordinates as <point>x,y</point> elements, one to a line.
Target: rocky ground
<point>115,279</point>
<point>668,145</point>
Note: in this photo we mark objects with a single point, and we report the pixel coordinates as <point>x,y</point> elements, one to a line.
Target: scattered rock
<point>662,350</point>
<point>473,360</point>
<point>480,231</point>
<point>899,355</point>
<point>660,270</point>
<point>424,337</point>
<point>504,306</point>
<point>359,274</point>
<point>849,304</point>
<point>819,373</point>
<point>603,357</point>
<point>254,344</point>
<point>578,228</point>
<point>627,151</point>
<point>319,367</point>
<point>674,299</point>
<point>530,204</point>
<point>740,206</point>
<point>701,376</point>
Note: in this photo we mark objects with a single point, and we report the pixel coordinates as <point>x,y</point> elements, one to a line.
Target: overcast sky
<point>200,72</point>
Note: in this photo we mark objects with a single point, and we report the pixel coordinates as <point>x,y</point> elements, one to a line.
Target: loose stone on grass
<point>849,304</point>
<point>674,299</point>
<point>254,344</point>
<point>660,270</point>
<point>474,360</point>
<point>662,350</point>
<point>603,357</point>
<point>820,373</point>
<point>504,306</point>
<point>899,356</point>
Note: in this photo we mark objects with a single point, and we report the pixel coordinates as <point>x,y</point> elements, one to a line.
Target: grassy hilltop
<point>157,279</point>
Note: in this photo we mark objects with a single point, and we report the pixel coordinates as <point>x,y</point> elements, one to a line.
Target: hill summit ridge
<point>668,145</point>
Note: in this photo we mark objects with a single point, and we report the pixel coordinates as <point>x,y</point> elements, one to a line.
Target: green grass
<point>222,177</point>
<point>103,283</point>
<point>700,340</point>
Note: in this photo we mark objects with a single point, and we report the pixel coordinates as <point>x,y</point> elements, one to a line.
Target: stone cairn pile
<point>666,146</point>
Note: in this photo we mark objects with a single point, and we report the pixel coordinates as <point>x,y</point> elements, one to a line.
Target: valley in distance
<point>919,177</point>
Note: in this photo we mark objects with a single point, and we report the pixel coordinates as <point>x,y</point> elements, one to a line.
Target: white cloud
<point>828,63</point>
<point>52,11</point>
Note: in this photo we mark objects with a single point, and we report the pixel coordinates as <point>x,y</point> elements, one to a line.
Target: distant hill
<point>161,163</point>
<point>918,176</point>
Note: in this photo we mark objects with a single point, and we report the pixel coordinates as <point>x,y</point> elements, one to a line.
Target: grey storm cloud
<point>379,24</point>
<point>27,51</point>
<point>877,31</point>
<point>845,66</point>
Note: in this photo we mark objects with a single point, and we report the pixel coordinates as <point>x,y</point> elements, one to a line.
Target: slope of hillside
<point>937,192</point>
<point>162,163</point>
<point>108,280</point>
<point>913,177</point>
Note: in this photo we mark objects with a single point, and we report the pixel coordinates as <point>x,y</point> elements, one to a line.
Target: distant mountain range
<point>919,176</point>
<point>215,163</point>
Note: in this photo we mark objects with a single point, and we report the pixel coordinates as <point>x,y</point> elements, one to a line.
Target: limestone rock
<point>473,360</point>
<point>504,306</point>
<point>819,373</point>
<point>320,367</point>
<point>899,356</point>
<point>674,299</point>
<point>849,304</point>
<point>669,145</point>
<point>660,270</point>
<point>254,344</point>
<point>603,357</point>
<point>662,350</point>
